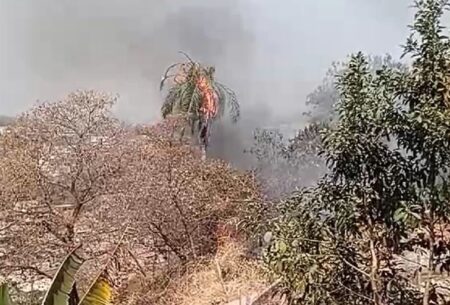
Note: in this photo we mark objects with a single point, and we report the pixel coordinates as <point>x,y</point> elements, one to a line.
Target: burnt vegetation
<point>352,209</point>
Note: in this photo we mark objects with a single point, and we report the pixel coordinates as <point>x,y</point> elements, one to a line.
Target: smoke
<point>273,53</point>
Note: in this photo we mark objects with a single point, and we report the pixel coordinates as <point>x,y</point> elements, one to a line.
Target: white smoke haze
<point>273,53</point>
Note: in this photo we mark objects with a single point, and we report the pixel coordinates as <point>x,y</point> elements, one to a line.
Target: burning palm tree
<point>195,94</point>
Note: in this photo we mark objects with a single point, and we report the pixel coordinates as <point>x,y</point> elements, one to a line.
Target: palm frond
<point>187,56</point>
<point>167,76</point>
<point>169,102</point>
<point>228,99</point>
<point>187,98</point>
<point>196,94</point>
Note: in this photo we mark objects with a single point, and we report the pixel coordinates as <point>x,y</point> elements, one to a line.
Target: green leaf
<point>62,284</point>
<point>399,215</point>
<point>4,295</point>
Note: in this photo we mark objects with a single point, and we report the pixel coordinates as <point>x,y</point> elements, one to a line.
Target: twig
<point>355,268</point>
<point>355,293</point>
<point>6,227</point>
<point>136,261</point>
<point>219,273</point>
<point>30,268</point>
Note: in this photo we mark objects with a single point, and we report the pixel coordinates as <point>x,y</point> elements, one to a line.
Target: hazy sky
<point>272,52</point>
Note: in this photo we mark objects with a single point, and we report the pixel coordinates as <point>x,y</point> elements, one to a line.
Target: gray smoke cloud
<point>273,53</point>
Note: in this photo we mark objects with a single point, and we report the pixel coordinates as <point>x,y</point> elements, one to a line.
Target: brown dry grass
<point>226,277</point>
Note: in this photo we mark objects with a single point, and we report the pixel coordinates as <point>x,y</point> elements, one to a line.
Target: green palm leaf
<point>227,99</point>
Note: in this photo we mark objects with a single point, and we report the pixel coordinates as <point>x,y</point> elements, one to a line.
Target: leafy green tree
<point>388,156</point>
<point>421,123</point>
<point>348,219</point>
<point>322,100</point>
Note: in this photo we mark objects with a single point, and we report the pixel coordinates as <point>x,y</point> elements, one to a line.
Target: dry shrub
<point>223,278</point>
<point>180,200</point>
<point>71,173</point>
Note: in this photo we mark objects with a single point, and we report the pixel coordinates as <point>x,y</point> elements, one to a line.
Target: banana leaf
<point>74,299</point>
<point>4,295</point>
<point>100,292</point>
<point>61,289</point>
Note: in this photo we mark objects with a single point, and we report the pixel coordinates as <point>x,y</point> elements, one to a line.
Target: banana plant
<point>63,289</point>
<point>5,299</point>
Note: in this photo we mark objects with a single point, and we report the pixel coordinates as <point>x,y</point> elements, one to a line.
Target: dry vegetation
<point>72,174</point>
<point>223,279</point>
<point>168,226</point>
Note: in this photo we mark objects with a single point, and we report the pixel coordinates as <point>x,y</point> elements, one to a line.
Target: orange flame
<point>209,98</point>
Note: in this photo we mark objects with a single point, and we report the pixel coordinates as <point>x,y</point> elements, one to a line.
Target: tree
<point>60,164</point>
<point>180,200</point>
<point>387,189</point>
<point>348,218</point>
<point>195,94</point>
<point>286,165</point>
<point>421,125</point>
<point>71,173</point>
<point>323,99</point>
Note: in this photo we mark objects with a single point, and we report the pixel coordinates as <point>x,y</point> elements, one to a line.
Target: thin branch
<point>219,274</point>
<point>355,268</point>
<point>355,293</point>
<point>136,261</point>
<point>6,227</point>
<point>29,268</point>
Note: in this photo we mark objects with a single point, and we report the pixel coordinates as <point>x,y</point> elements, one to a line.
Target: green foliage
<point>323,99</point>
<point>62,284</point>
<point>5,299</point>
<point>388,156</point>
<point>324,254</point>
